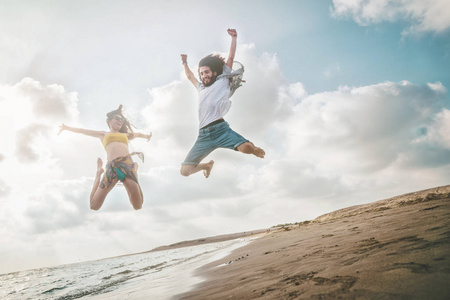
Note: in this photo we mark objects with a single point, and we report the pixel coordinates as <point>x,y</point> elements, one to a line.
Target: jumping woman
<point>120,166</point>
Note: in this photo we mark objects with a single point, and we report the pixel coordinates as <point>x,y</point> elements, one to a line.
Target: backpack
<point>236,77</point>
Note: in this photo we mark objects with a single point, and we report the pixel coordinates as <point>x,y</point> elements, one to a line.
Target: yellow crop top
<point>115,137</point>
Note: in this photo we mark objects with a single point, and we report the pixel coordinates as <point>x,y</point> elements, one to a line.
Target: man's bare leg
<point>187,170</point>
<point>250,148</point>
<point>208,168</point>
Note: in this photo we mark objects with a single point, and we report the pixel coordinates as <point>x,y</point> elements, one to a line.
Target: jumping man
<point>214,104</point>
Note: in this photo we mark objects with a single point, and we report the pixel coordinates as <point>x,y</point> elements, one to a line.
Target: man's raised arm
<point>233,34</point>
<point>188,71</point>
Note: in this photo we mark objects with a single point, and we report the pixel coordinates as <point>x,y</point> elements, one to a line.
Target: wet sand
<point>398,248</point>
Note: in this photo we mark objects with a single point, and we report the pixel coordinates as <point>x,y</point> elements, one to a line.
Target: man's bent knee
<point>186,170</point>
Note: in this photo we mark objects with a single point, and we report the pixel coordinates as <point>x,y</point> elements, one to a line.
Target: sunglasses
<point>118,118</point>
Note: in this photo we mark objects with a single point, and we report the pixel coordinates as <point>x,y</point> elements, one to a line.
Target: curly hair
<point>126,127</point>
<point>214,61</point>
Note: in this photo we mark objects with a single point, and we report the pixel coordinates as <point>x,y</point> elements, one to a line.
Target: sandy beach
<point>398,248</point>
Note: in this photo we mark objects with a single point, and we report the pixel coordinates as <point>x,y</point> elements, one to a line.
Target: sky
<point>349,99</point>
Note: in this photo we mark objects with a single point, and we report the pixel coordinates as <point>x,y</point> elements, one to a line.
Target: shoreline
<point>397,248</point>
<point>168,282</point>
<point>212,239</point>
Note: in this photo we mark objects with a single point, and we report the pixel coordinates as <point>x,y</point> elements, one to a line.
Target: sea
<point>151,275</point>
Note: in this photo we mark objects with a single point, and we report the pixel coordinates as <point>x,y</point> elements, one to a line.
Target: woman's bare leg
<point>98,195</point>
<point>140,190</point>
<point>97,179</point>
<point>134,193</point>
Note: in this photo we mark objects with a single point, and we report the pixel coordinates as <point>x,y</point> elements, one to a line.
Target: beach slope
<point>398,248</point>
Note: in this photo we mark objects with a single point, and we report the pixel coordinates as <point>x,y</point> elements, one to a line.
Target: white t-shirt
<point>214,102</point>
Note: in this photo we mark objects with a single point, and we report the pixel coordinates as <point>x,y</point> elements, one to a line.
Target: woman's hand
<point>62,128</point>
<point>140,135</point>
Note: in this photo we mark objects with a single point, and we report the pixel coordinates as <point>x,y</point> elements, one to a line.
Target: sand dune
<point>398,248</point>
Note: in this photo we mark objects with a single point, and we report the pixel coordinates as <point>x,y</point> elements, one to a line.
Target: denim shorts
<point>211,138</point>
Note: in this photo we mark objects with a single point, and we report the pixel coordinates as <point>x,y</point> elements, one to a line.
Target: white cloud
<point>369,142</point>
<point>30,144</point>
<point>424,15</point>
<point>370,126</point>
<point>4,189</point>
<point>25,142</point>
<point>438,131</point>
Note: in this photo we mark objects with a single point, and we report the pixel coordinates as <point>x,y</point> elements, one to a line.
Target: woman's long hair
<point>126,127</point>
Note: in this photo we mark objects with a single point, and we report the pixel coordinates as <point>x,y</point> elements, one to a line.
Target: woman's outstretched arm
<point>140,135</point>
<point>93,133</point>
